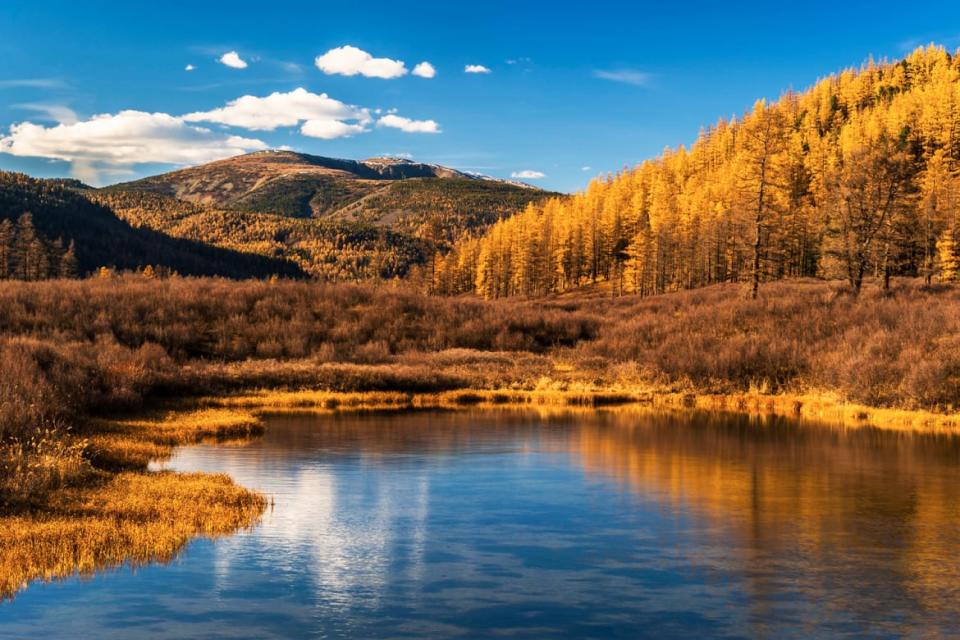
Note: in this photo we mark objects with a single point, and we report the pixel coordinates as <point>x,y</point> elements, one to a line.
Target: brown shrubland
<point>75,348</point>
<point>81,358</point>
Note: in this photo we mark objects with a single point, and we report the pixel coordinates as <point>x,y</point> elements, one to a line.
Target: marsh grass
<point>133,442</point>
<point>825,408</point>
<point>82,505</point>
<point>123,519</point>
<point>39,464</point>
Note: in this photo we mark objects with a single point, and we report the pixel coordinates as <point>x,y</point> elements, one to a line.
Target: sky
<point>552,93</point>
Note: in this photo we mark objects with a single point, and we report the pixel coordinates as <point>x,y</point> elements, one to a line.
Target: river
<point>621,524</point>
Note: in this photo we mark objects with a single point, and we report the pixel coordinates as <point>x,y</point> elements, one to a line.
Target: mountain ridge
<point>337,219</point>
<point>252,181</point>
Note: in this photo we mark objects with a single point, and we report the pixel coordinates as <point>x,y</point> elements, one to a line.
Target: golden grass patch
<point>127,518</point>
<point>131,443</point>
<point>822,407</point>
<point>114,512</point>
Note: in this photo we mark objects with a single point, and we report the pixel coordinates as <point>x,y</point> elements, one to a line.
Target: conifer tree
<point>69,265</point>
<point>7,237</point>
<point>949,257</point>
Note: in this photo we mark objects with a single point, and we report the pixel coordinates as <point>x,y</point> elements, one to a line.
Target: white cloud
<point>528,174</point>
<point>407,125</point>
<point>189,67</point>
<point>626,76</point>
<point>113,143</point>
<point>586,168</point>
<point>288,110</point>
<point>424,70</point>
<point>33,83</point>
<point>232,59</point>
<point>350,61</point>
<point>475,68</point>
<point>53,112</point>
<point>330,129</point>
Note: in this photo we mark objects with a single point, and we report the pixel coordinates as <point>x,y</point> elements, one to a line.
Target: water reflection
<point>614,524</point>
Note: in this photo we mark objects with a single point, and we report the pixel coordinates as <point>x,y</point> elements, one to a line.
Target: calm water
<point>474,525</point>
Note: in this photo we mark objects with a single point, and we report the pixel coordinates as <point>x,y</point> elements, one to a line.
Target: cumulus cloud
<point>407,125</point>
<point>189,67</point>
<point>330,129</point>
<point>112,143</point>
<point>351,61</point>
<point>232,59</point>
<point>287,110</point>
<point>475,68</point>
<point>626,76</point>
<point>528,174</point>
<point>424,70</point>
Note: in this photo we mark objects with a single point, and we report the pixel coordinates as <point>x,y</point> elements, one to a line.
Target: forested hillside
<point>48,229</point>
<point>337,219</point>
<point>324,249</point>
<point>858,176</point>
<point>440,210</point>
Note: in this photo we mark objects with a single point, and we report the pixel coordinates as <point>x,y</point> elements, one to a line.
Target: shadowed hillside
<point>62,217</point>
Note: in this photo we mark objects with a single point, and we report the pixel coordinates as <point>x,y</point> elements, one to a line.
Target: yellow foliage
<point>778,193</point>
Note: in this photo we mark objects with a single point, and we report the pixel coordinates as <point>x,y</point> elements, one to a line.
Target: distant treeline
<point>858,176</point>
<point>25,254</point>
<point>49,229</point>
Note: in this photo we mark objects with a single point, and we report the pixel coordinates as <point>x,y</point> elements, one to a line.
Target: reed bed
<point>125,519</point>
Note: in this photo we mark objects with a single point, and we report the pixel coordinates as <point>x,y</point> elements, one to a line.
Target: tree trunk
<point>886,266</point>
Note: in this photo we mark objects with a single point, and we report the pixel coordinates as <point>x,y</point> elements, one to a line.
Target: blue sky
<point>574,89</point>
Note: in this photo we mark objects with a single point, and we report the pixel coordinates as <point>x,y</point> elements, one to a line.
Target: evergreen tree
<point>69,265</point>
<point>949,257</point>
<point>7,238</point>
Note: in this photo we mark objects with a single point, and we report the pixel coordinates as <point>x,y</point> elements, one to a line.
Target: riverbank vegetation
<point>91,364</point>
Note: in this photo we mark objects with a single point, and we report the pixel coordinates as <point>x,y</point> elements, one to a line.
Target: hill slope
<point>62,215</point>
<point>338,219</point>
<point>857,176</point>
<point>299,184</point>
<point>326,249</point>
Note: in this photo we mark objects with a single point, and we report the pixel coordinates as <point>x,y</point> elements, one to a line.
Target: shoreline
<point>122,514</point>
<point>821,407</point>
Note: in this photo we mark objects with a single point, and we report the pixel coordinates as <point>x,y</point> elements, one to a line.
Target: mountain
<point>337,219</point>
<point>59,214</point>
<point>302,185</point>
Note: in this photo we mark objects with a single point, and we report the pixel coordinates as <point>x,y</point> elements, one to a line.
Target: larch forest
<point>857,176</point>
